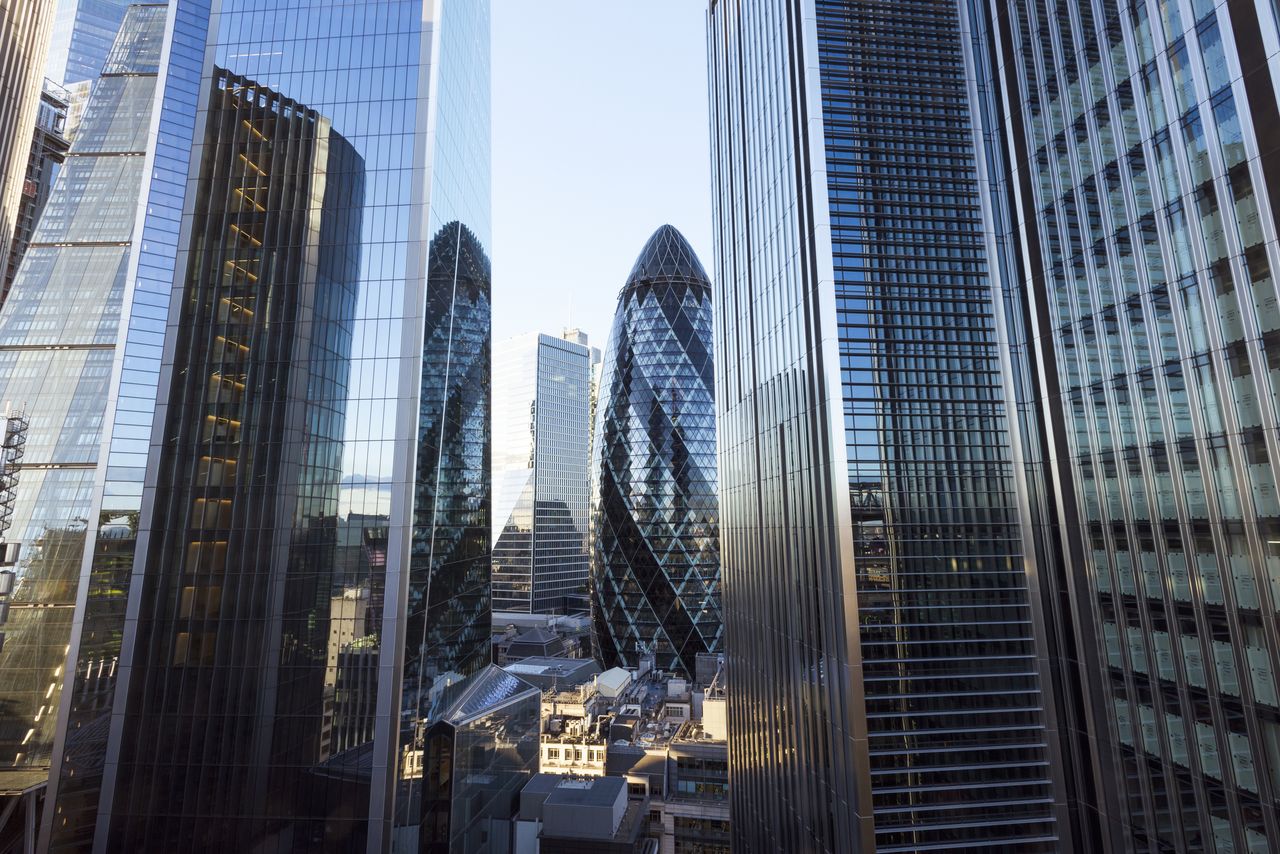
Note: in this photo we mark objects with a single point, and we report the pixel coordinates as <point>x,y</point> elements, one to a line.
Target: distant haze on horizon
<point>599,136</point>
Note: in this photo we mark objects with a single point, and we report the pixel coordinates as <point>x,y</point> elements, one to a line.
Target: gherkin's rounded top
<point>667,255</point>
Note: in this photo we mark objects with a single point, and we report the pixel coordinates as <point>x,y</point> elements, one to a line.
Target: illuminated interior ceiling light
<point>237,307</point>
<point>248,198</point>
<point>241,270</point>
<point>240,232</point>
<point>254,166</point>
<point>225,380</point>
<point>253,130</point>
<point>224,339</point>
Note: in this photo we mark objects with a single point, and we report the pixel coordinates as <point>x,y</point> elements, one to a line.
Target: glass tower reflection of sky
<point>411,479</point>
<point>83,31</point>
<point>541,417</point>
<point>56,364</point>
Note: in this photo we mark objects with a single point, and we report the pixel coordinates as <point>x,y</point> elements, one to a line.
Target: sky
<point>599,137</point>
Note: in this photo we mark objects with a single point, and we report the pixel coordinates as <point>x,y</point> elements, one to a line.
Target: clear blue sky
<point>599,137</point>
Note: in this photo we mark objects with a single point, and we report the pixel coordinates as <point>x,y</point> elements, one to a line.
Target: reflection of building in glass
<point>480,752</point>
<point>83,31</point>
<point>55,363</point>
<point>656,561</point>
<point>48,150</point>
<point>445,624</point>
<point>355,694</point>
<point>24,44</point>
<point>541,413</point>
<point>245,522</point>
<point>379,460</point>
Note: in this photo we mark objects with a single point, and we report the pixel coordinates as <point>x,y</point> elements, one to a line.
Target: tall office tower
<point>245,518</point>
<point>541,422</point>
<point>304,353</point>
<point>58,333</point>
<point>656,550</point>
<point>49,146</point>
<point>883,619</point>
<point>24,44</point>
<point>83,32</point>
<point>1144,168</point>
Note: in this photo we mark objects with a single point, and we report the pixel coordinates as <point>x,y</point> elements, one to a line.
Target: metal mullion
<point>1233,434</point>
<point>1144,616</point>
<point>1213,518</point>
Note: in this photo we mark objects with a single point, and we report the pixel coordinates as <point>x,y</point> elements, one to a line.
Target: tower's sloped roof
<point>486,690</point>
<point>667,255</point>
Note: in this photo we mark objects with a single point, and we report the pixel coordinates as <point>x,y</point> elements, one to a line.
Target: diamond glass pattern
<point>656,554</point>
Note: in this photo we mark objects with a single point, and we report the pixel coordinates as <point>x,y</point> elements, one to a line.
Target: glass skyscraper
<point>882,610</point>
<point>1143,168</point>
<point>541,424</point>
<point>59,331</point>
<point>83,31</point>
<point>1052,320</point>
<point>655,544</point>
<point>245,517</point>
<point>275,540</point>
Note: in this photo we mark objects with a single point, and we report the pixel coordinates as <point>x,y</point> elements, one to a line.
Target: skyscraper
<point>1144,170</point>
<point>83,32</point>
<point>24,44</point>
<point>245,521</point>
<point>656,558</point>
<point>303,353</point>
<point>541,418</point>
<point>55,365</point>
<point>884,623</point>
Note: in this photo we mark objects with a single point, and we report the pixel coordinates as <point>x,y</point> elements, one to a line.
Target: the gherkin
<point>656,554</point>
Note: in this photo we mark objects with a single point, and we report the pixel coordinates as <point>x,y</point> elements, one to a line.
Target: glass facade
<point>55,365</point>
<point>83,31</point>
<point>1141,143</point>
<point>541,422</point>
<point>881,612</point>
<point>479,754</point>
<point>656,550</point>
<point>247,489</point>
<point>289,563</point>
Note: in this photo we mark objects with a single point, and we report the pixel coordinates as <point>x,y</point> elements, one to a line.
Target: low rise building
<point>553,673</point>
<point>517,636</point>
<point>662,737</point>
<point>577,815</point>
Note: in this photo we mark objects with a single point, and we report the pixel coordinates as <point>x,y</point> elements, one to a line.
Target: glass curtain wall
<point>1142,166</point>
<point>237,626</point>
<point>880,612</point>
<point>55,365</point>
<point>356,499</point>
<point>656,547</point>
<point>541,400</point>
<point>83,31</point>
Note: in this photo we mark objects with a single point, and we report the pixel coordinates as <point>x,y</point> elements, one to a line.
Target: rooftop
<point>667,256</point>
<point>595,792</point>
